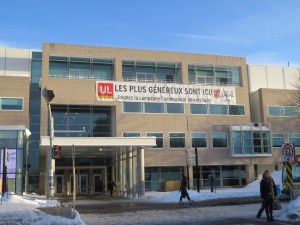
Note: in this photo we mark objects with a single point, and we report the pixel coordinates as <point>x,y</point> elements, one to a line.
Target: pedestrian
<point>183,190</point>
<point>111,187</point>
<point>268,193</point>
<point>212,178</point>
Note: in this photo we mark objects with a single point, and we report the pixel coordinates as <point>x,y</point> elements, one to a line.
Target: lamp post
<point>27,133</point>
<point>49,95</point>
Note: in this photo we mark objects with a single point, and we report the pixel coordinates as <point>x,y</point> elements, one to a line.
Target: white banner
<point>159,93</point>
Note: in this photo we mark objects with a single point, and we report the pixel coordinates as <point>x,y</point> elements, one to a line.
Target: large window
<point>219,139</point>
<point>294,139</point>
<point>159,139</point>
<point>213,109</point>
<point>143,107</point>
<point>96,120</point>
<point>214,75</point>
<point>283,111</point>
<point>277,140</point>
<point>147,71</point>
<point>199,140</point>
<point>11,103</point>
<point>81,67</point>
<point>131,134</point>
<point>251,142</point>
<point>177,140</point>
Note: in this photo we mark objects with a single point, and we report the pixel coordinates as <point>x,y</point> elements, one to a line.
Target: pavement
<point>107,204</point>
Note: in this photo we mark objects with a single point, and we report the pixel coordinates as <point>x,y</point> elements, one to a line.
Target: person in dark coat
<point>111,187</point>
<point>268,193</point>
<point>183,190</point>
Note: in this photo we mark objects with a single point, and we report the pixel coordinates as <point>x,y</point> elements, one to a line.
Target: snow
<point>23,209</point>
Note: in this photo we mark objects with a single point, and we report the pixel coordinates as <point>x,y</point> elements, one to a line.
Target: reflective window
<point>277,140</point>
<point>147,71</point>
<point>283,111</point>
<point>217,109</point>
<point>199,140</point>
<point>219,139</point>
<point>175,108</point>
<point>214,75</point>
<point>154,107</point>
<point>294,139</point>
<point>177,140</point>
<point>81,68</point>
<point>198,109</point>
<point>159,139</point>
<point>236,110</point>
<point>131,134</point>
<point>135,107</point>
<point>11,103</point>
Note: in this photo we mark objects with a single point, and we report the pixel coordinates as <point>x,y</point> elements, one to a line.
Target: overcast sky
<point>263,31</point>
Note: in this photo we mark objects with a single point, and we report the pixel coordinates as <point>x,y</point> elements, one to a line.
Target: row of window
<point>278,139</point>
<point>142,71</point>
<point>11,103</point>
<point>178,108</point>
<point>283,111</point>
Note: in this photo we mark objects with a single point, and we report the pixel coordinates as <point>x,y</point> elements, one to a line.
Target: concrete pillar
<point>250,173</point>
<point>119,171</point>
<point>124,175</point>
<point>134,174</point>
<point>140,173</point>
<point>129,172</point>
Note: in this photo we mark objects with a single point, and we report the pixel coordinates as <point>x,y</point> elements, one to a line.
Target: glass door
<point>59,184</point>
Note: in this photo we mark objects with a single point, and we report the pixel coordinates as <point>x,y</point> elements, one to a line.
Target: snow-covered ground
<point>23,209</point>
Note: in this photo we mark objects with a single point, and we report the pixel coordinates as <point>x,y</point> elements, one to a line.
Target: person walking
<point>111,187</point>
<point>268,193</point>
<point>212,178</point>
<point>183,190</point>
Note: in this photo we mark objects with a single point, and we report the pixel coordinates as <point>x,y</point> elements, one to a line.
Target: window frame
<point>212,137</point>
<point>147,134</point>
<point>17,98</point>
<point>177,138</point>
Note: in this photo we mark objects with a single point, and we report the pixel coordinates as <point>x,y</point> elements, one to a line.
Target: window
<point>147,71</point>
<point>159,139</point>
<point>11,104</point>
<point>81,67</point>
<point>135,107</point>
<point>177,140</point>
<point>214,75</point>
<point>294,139</point>
<point>175,108</point>
<point>251,142</point>
<point>213,109</point>
<point>199,140</point>
<point>283,111</point>
<point>219,139</point>
<point>154,107</point>
<point>131,134</point>
<point>277,140</point>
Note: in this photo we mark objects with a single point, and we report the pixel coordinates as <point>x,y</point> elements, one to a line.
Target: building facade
<point>210,106</point>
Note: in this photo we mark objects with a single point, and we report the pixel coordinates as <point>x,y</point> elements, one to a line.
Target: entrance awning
<point>95,146</point>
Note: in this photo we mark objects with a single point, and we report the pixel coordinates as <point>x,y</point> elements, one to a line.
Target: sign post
<point>288,154</point>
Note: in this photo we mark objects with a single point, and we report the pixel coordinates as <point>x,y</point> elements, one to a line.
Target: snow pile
<point>23,210</point>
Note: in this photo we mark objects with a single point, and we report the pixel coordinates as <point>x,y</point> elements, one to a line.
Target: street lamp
<point>27,133</point>
<point>49,95</point>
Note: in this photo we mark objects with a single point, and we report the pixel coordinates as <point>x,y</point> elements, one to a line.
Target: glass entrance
<point>59,184</point>
<point>81,184</point>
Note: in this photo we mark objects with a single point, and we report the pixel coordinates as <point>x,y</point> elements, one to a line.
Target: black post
<point>4,170</point>
<point>188,176</point>
<point>197,170</point>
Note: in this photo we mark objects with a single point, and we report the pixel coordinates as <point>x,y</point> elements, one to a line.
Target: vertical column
<point>134,178</point>
<point>124,175</point>
<point>129,172</point>
<point>140,173</point>
<point>118,170</point>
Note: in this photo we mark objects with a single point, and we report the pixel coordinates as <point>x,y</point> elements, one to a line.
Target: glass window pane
<point>131,134</point>
<point>275,111</point>
<point>175,108</point>
<point>159,139</point>
<point>291,111</point>
<point>219,139</point>
<point>11,104</point>
<point>154,107</point>
<point>132,107</point>
<point>177,140</point>
<point>236,110</point>
<point>198,109</point>
<point>218,109</point>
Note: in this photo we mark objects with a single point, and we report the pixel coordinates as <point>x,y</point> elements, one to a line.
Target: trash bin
<point>278,190</point>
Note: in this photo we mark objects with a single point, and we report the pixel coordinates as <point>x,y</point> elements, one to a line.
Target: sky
<point>265,32</point>
<point>22,209</point>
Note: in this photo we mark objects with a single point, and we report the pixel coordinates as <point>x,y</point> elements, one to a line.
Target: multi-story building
<point>110,102</point>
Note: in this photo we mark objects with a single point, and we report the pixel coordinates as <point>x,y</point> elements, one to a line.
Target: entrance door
<point>59,184</point>
<point>98,183</point>
<point>81,184</point>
